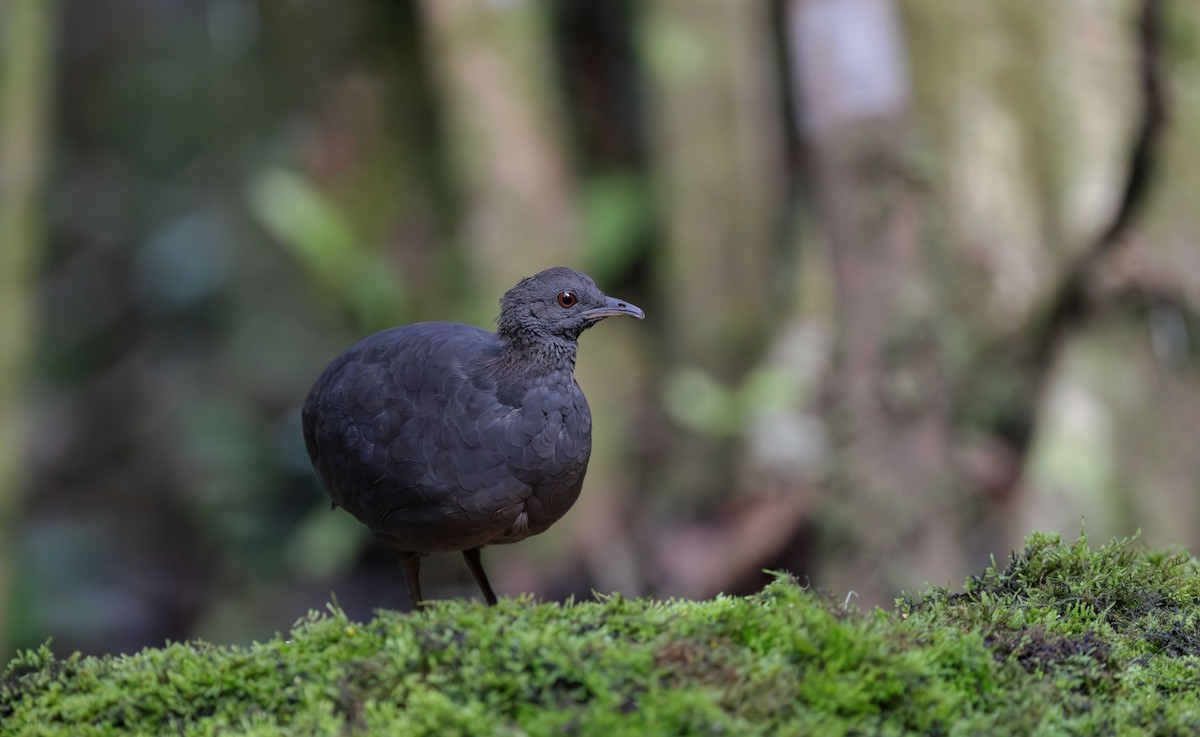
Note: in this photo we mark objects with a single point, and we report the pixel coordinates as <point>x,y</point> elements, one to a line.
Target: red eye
<point>566,299</point>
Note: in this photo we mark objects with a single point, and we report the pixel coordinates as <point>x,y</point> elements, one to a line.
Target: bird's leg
<point>476,565</point>
<point>412,576</point>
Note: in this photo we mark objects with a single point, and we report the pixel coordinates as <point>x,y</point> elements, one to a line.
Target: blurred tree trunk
<point>493,63</point>
<point>718,149</point>
<point>891,413</point>
<point>933,444</point>
<point>719,165</point>
<point>25,87</point>
<point>1048,208</point>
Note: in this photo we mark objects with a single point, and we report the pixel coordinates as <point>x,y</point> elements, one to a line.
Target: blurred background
<point>920,277</point>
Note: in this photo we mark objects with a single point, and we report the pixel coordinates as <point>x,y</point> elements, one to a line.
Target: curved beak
<point>612,308</point>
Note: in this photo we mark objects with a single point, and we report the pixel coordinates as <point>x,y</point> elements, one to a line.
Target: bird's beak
<point>613,307</point>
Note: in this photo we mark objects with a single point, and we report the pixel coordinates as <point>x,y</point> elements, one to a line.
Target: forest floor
<point>1063,639</point>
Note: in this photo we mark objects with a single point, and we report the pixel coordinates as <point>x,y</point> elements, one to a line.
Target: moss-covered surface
<point>1064,640</point>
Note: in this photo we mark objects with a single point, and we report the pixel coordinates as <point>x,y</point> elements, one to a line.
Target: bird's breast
<point>558,423</point>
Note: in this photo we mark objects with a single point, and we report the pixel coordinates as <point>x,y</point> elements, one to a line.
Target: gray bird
<point>442,437</point>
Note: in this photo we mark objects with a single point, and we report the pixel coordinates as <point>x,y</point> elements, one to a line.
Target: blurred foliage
<point>303,221</point>
<point>700,403</point>
<point>616,215</point>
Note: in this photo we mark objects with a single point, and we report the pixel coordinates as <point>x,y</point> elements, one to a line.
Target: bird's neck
<point>536,356</point>
<point>520,366</point>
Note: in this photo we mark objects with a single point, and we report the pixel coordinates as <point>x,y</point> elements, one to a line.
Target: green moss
<point>1063,640</point>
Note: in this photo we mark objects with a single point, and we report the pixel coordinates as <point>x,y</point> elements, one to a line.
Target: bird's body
<point>445,437</point>
<point>380,435</point>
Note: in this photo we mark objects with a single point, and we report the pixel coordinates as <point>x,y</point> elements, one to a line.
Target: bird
<point>443,437</point>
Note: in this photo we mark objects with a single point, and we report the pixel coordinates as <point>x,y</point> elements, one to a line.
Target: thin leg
<point>412,576</point>
<point>476,565</point>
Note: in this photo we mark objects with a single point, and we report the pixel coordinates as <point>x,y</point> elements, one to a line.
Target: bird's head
<point>556,305</point>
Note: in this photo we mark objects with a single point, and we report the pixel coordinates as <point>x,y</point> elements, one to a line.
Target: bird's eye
<point>566,299</point>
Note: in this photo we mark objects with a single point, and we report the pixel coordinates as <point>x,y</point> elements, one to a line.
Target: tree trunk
<point>717,148</point>
<point>719,153</point>
<point>890,409</point>
<point>492,62</point>
<point>25,86</point>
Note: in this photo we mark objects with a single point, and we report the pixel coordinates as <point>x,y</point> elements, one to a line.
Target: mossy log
<point>1063,639</point>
